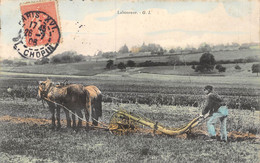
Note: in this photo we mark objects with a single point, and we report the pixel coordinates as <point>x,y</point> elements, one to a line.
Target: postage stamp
<point>41,32</point>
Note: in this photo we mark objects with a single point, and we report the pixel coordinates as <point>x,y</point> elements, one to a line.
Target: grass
<point>82,147</point>
<point>104,147</point>
<point>34,142</point>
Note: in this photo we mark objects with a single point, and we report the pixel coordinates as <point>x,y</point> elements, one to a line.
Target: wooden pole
<point>162,129</point>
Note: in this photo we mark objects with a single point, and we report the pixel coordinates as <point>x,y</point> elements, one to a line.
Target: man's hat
<point>208,87</point>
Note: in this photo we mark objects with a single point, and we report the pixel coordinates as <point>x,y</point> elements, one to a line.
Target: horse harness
<point>45,93</point>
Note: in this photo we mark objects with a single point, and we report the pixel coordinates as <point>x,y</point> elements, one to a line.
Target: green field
<point>35,142</point>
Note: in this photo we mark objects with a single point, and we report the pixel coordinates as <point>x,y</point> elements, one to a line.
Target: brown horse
<point>95,103</point>
<point>73,97</point>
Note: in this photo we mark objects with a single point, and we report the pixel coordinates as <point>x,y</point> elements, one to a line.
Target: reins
<point>63,107</point>
<point>72,112</point>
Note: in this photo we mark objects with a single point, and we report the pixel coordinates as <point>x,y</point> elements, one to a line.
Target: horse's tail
<point>95,97</point>
<point>98,103</point>
<point>96,108</point>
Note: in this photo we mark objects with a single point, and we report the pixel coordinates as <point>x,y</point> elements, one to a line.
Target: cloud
<point>7,51</point>
<point>106,31</point>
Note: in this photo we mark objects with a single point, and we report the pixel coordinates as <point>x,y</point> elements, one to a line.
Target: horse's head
<point>43,88</point>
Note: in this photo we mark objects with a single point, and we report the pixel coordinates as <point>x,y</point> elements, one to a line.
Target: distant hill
<point>219,55</point>
<point>82,68</point>
<point>97,66</point>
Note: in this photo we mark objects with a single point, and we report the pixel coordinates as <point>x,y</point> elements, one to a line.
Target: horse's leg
<point>94,112</point>
<point>67,118</point>
<point>58,117</point>
<point>52,110</point>
<point>79,113</point>
<point>90,111</point>
<point>99,106</point>
<point>73,119</point>
<point>87,119</point>
<point>87,111</point>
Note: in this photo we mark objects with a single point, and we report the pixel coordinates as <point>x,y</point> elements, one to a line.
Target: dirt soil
<point>196,133</point>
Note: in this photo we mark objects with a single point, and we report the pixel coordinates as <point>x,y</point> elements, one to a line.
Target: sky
<point>170,24</point>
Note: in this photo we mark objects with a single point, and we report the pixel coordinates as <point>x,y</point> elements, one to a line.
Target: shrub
<point>172,51</point>
<point>20,63</point>
<point>110,64</point>
<point>109,55</point>
<point>241,60</point>
<point>150,63</point>
<point>207,63</point>
<point>220,68</point>
<point>131,63</point>
<point>67,57</point>
<point>192,63</point>
<point>42,61</point>
<point>251,59</point>
<point>7,62</point>
<point>121,66</point>
<point>56,59</point>
<point>256,68</point>
<point>78,58</point>
<point>199,68</point>
<point>237,67</point>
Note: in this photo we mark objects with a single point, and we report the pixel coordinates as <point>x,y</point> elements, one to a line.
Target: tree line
<point>156,49</point>
<point>65,57</point>
<point>206,64</point>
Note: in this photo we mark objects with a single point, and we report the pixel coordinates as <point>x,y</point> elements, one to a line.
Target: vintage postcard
<point>129,81</point>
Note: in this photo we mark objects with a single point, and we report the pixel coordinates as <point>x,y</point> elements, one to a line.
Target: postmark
<point>40,34</point>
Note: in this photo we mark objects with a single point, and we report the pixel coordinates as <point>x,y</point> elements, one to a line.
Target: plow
<point>123,122</point>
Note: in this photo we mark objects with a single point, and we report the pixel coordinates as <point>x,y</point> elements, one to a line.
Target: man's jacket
<point>213,102</point>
